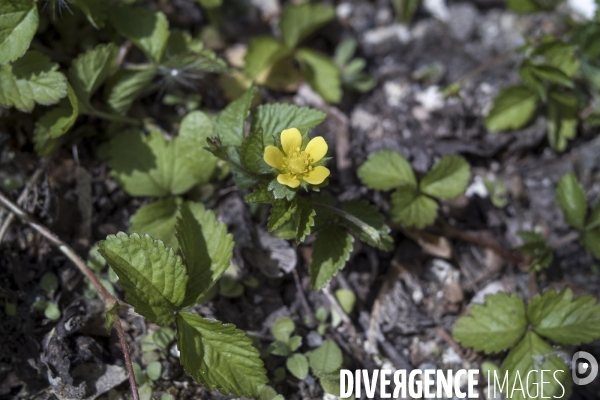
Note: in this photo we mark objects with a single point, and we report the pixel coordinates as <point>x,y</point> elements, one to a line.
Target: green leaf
<point>153,370</point>
<point>52,311</point>
<point>571,200</point>
<point>344,51</point>
<point>95,11</point>
<point>205,246</point>
<point>252,153</point>
<point>564,320</point>
<point>263,52</point>
<point>322,74</point>
<point>523,6</point>
<point>385,170</point>
<point>590,240</point>
<point>563,115</point>
<point>31,79</point>
<point>210,3</point>
<point>535,246</point>
<point>90,70</point>
<point>513,108</point>
<point>304,219</point>
<point>19,21</point>
<point>55,123</point>
<point>297,364</point>
<point>552,74</point>
<point>147,29</point>
<point>295,342</point>
<point>300,20</point>
<point>331,250</point>
<point>346,298</point>
<point>593,221</point>
<point>283,328</point>
<point>379,234</point>
<point>531,80</point>
<point>411,208</point>
<point>153,276</point>
<point>280,191</point>
<point>158,220</point>
<point>327,358</point>
<point>274,118</point>
<point>493,326</point>
<point>151,166</point>
<point>532,353</point>
<point>560,55</point>
<point>126,85</point>
<point>448,178</point>
<point>231,121</point>
<point>281,212</point>
<point>219,356</point>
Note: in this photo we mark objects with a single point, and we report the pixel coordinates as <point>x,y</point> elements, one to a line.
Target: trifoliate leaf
<point>147,29</point>
<point>570,197</point>
<point>512,109</point>
<point>283,328</point>
<point>493,326</point>
<point>327,358</point>
<point>126,85</point>
<point>531,80</point>
<point>263,52</point>
<point>55,123</point>
<point>31,79</point>
<point>346,298</point>
<point>297,364</point>
<point>274,118</point>
<point>386,170</point>
<point>219,356</point>
<point>90,70</point>
<point>304,219</point>
<point>19,21</point>
<point>410,208</point>
<point>280,191</point>
<point>552,74</point>
<point>158,220</point>
<point>331,250</point>
<point>590,240</point>
<point>564,320</point>
<point>371,227</point>
<point>149,166</point>
<point>281,212</point>
<point>448,178</point>
<point>231,121</point>
<point>205,246</point>
<point>563,116</point>
<point>153,276</point>
<point>299,21</point>
<point>533,354</point>
<point>95,11</point>
<point>322,74</point>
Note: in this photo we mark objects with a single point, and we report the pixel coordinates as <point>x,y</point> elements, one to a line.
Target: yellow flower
<point>294,164</point>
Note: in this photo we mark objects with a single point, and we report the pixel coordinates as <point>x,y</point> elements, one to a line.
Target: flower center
<point>298,163</point>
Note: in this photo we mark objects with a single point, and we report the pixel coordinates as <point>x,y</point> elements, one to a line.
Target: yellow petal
<point>317,175</point>
<point>274,157</point>
<point>291,140</point>
<point>288,180</point>
<point>316,148</point>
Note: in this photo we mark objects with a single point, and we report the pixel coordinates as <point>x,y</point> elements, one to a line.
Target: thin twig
<point>307,309</point>
<point>110,301</point>
<point>568,238</point>
<point>22,198</point>
<point>125,348</point>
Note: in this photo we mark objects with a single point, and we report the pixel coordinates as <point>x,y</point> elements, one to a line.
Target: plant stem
<point>114,117</point>
<point>486,65</point>
<point>369,230</point>
<point>110,301</point>
<point>568,238</point>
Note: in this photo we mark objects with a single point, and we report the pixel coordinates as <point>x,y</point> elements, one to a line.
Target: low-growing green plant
<point>282,165</point>
<point>414,203</point>
<point>504,323</point>
<point>160,284</point>
<point>270,61</point>
<point>49,284</point>
<point>351,69</point>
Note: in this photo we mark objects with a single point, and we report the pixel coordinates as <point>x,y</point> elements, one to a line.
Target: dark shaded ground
<point>408,301</point>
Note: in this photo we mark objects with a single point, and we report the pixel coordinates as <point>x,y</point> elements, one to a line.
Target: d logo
<point>581,363</point>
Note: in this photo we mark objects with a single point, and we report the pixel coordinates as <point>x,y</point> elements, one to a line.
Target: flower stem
<point>114,117</point>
